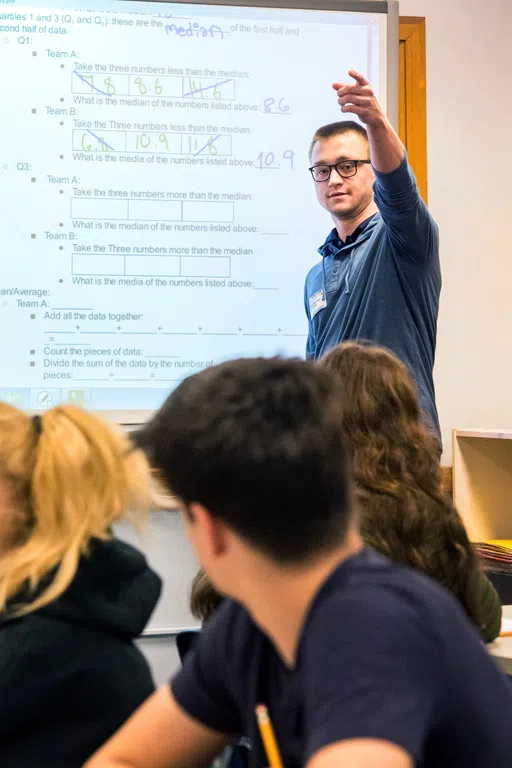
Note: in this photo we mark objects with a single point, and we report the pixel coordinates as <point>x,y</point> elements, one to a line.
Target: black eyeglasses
<point>345,168</point>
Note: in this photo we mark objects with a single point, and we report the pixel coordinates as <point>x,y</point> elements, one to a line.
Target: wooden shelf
<point>484,434</point>
<point>482,481</point>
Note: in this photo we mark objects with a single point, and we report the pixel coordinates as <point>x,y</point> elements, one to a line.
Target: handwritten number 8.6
<point>269,160</point>
<point>143,89</point>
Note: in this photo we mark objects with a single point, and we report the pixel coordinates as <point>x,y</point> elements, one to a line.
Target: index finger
<point>361,79</point>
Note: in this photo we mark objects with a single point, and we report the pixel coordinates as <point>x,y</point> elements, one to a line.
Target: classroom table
<point>501,649</point>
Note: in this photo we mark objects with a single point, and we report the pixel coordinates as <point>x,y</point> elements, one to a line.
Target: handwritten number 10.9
<point>268,159</point>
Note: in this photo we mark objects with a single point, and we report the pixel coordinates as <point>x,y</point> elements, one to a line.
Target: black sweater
<point>70,673</point>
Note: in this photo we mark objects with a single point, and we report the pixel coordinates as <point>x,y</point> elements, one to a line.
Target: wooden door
<point>413,96</point>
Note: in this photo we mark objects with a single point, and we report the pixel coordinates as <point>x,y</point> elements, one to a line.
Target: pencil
<point>268,737</point>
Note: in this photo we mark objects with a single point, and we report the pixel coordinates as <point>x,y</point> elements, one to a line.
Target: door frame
<point>413,108</point>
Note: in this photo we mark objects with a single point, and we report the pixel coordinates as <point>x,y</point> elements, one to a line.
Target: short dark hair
<point>337,129</point>
<point>258,443</point>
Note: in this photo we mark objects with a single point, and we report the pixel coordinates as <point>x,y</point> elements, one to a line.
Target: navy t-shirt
<point>385,653</point>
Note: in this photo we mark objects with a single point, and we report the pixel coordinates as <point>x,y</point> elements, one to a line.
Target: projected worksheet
<point>158,214</point>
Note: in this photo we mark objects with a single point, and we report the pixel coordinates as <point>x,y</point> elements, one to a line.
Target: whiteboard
<point>170,554</point>
<point>157,211</point>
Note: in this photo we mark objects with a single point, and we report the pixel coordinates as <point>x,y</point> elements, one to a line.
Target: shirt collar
<point>333,243</point>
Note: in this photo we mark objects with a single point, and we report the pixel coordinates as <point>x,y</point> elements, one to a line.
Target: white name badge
<point>316,303</point>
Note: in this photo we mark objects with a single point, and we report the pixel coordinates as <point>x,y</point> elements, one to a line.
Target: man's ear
<point>210,531</point>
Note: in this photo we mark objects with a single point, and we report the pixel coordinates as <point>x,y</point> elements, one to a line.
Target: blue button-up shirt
<point>382,284</point>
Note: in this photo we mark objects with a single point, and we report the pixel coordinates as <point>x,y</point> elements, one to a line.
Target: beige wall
<point>469,71</point>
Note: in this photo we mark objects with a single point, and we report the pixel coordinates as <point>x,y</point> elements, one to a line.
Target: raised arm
<point>386,149</point>
<point>411,230</point>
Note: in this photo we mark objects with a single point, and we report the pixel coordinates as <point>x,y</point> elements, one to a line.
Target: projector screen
<point>158,213</point>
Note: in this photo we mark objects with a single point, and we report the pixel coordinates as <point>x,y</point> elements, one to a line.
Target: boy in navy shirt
<point>362,663</point>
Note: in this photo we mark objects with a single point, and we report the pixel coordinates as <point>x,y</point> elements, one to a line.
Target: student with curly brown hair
<point>204,598</point>
<point>403,512</point>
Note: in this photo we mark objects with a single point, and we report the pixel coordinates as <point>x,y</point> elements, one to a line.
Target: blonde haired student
<point>72,597</point>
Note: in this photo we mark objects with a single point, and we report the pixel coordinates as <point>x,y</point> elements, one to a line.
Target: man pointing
<point>379,278</point>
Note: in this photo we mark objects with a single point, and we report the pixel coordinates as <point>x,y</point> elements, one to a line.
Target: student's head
<point>403,512</point>
<point>253,450</point>
<point>382,421</point>
<point>65,478</point>
<point>344,195</point>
